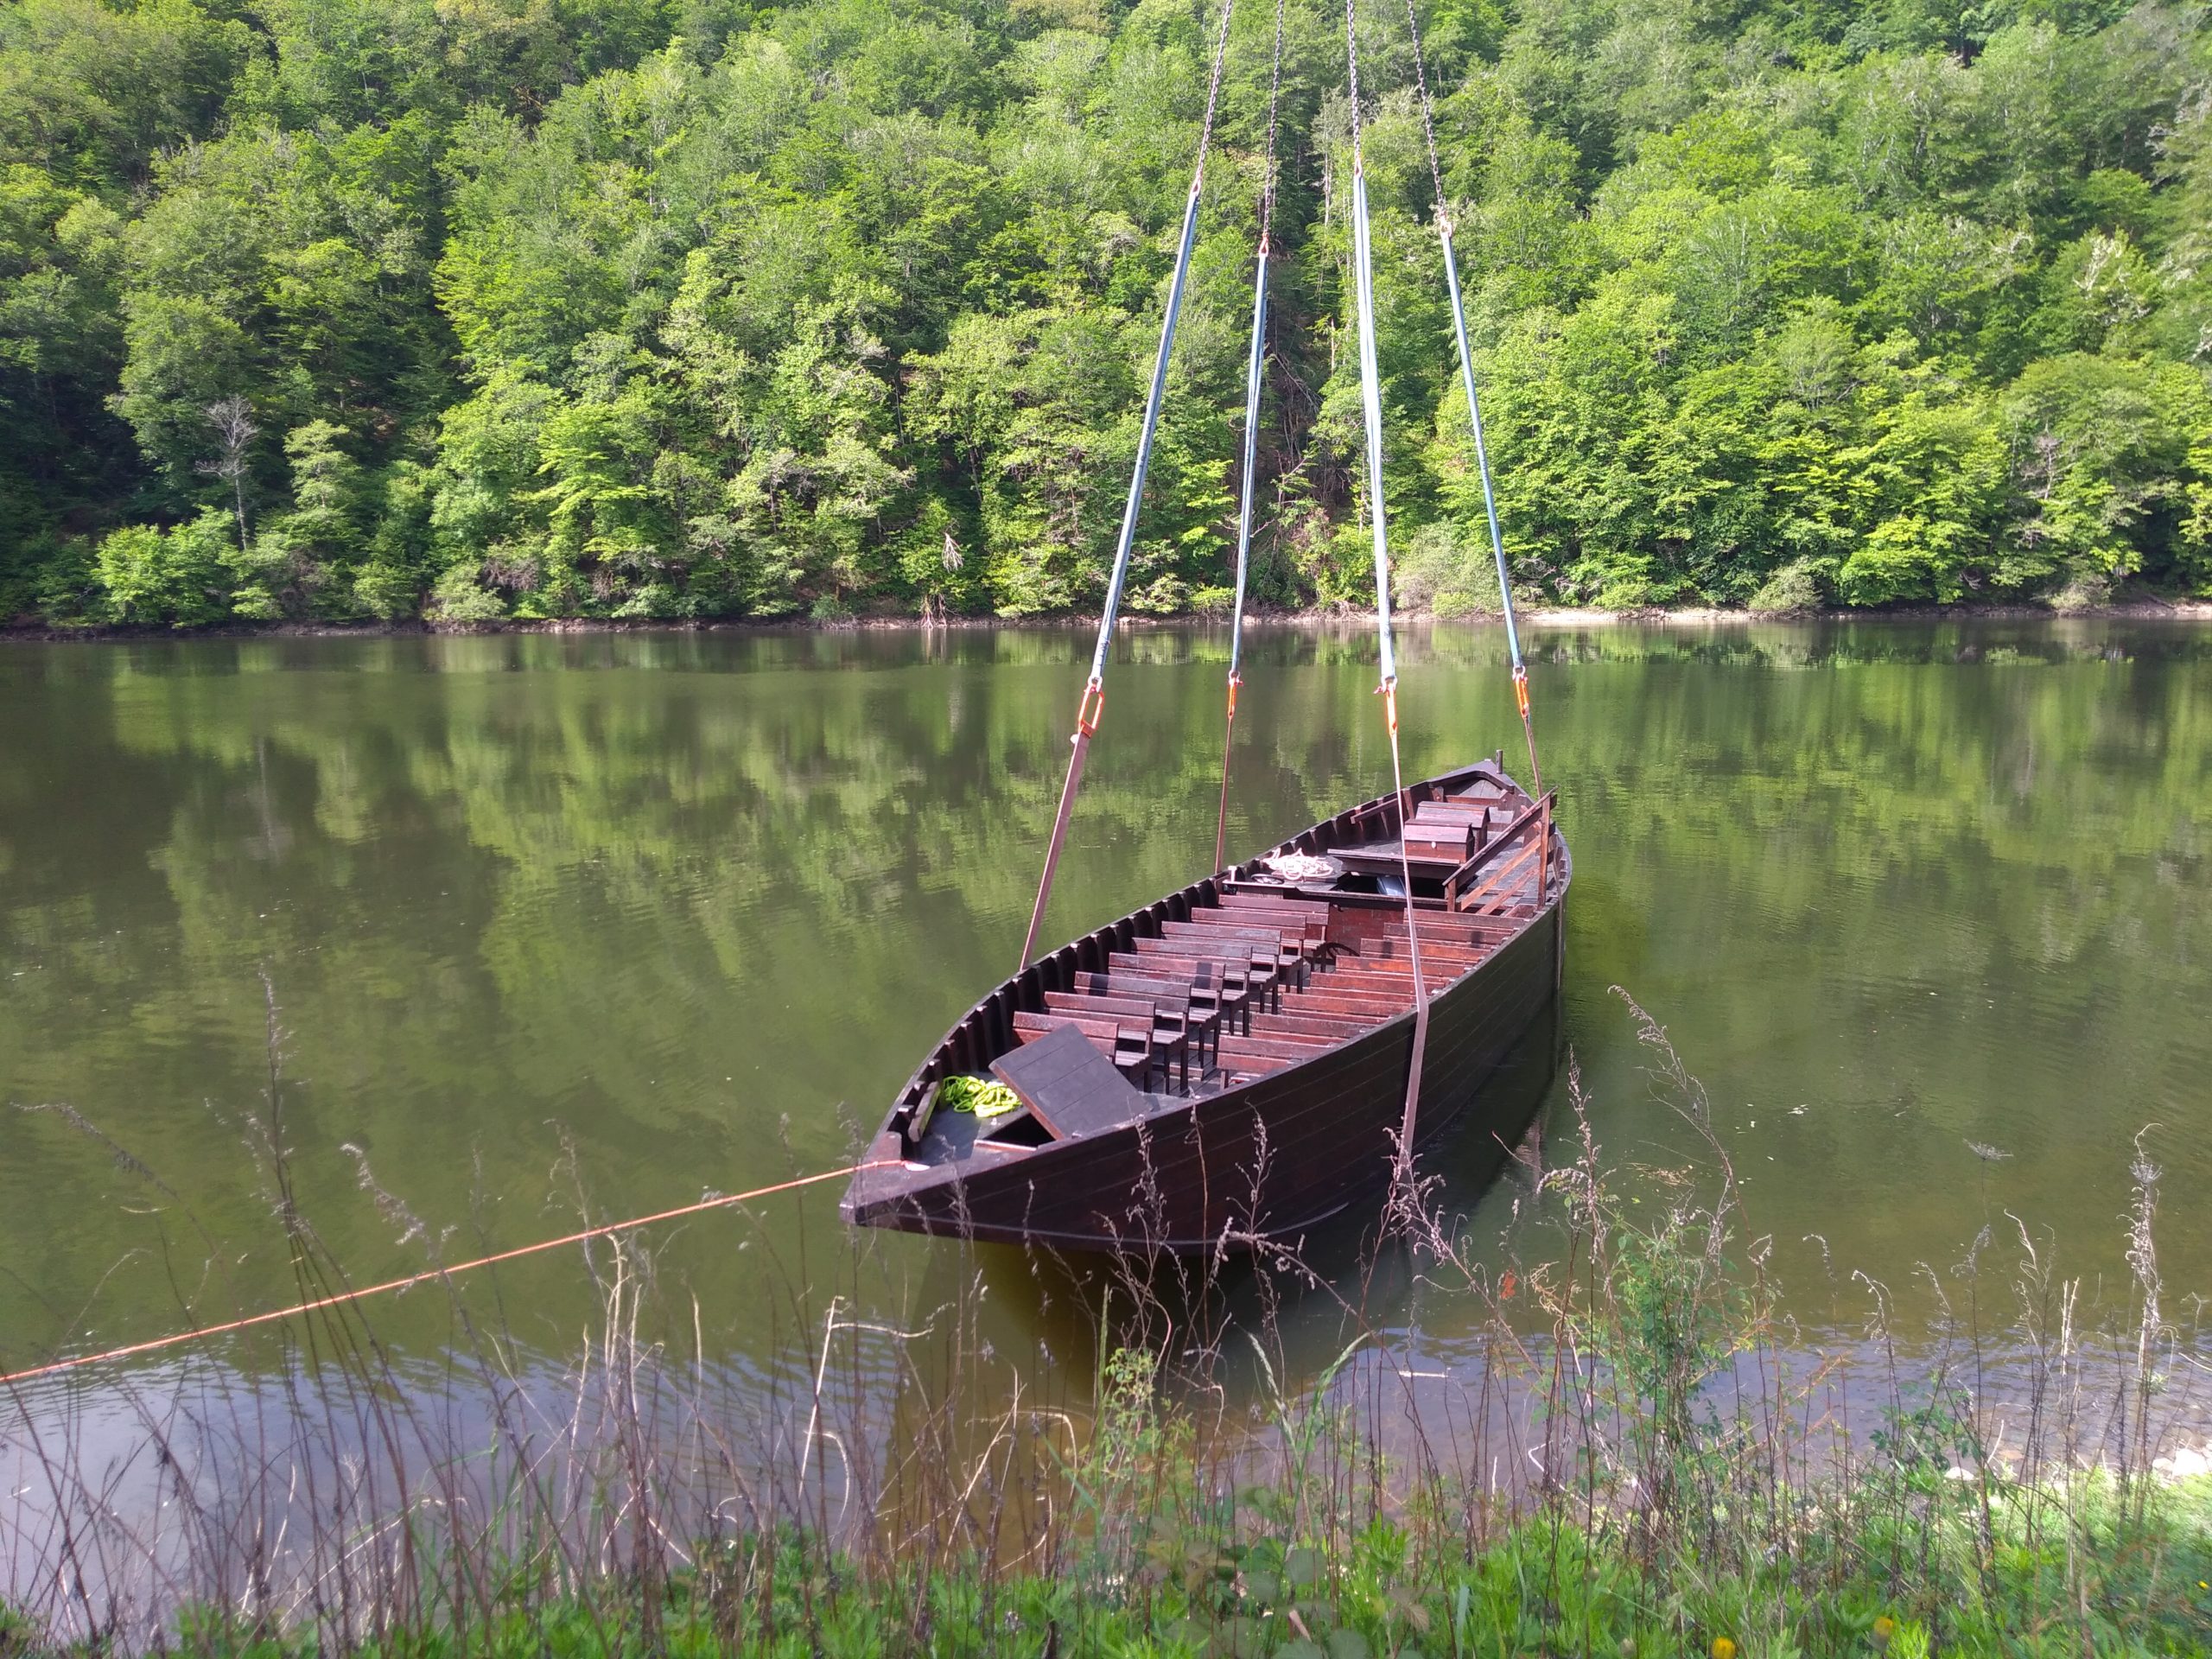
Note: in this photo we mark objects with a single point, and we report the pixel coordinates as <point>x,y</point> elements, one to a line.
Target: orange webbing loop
<point>1092,711</point>
<point>1521,691</point>
<point>1388,692</point>
<point>1233,684</point>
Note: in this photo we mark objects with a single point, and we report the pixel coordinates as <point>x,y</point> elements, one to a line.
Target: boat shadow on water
<point>1302,1299</point>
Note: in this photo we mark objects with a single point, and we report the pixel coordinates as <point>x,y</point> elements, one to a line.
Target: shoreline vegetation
<point>333,311</point>
<point>1638,1474</point>
<point>1343,620</point>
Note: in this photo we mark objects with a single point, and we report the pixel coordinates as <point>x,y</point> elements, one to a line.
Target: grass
<point>1640,1470</point>
<point>1542,1585</point>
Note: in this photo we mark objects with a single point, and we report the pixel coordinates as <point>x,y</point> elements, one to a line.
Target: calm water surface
<point>607,922</point>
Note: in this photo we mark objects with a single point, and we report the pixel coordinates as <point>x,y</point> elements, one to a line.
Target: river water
<point>596,924</point>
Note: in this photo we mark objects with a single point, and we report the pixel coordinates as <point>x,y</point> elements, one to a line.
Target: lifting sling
<point>1253,369</point>
<point>1370,390</point>
<point>1094,691</point>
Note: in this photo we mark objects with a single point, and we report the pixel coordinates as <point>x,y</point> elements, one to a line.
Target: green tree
<point>303,559</point>
<point>180,576</point>
<point>59,346</point>
<point>90,92</point>
<point>2107,468</point>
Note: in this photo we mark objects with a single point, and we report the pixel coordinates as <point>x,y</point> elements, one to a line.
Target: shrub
<point>65,590</point>
<point>1213,601</point>
<point>178,576</point>
<point>460,596</point>
<point>1443,571</point>
<point>388,593</point>
<point>1795,587</point>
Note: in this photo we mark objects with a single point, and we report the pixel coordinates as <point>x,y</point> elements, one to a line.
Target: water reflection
<point>564,924</point>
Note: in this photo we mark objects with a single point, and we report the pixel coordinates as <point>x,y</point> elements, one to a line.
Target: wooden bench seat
<point>1294,941</point>
<point>1131,1050</point>
<point>1392,980</point>
<point>1457,931</point>
<point>1460,939</point>
<point>1310,914</point>
<point>1398,949</point>
<point>1373,1002</point>
<point>1260,970</point>
<point>1225,987</point>
<point>1289,904</point>
<point>1309,924</point>
<point>1313,929</point>
<point>1280,1049</point>
<point>1292,951</point>
<point>1176,997</point>
<point>1244,1067</point>
<point>1171,1040</point>
<point>1388,966</point>
<point>1298,1021</point>
<point>1308,932</point>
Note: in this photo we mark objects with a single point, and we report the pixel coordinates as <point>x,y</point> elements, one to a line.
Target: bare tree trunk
<point>232,419</point>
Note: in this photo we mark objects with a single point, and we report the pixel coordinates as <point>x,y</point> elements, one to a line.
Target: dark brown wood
<point>1260,969</point>
<point>1304,934</point>
<point>1290,947</point>
<point>1229,991</point>
<point>1130,1048</point>
<point>1366,1002</point>
<point>1501,888</point>
<point>1339,902</point>
<point>1314,1061</point>
<point>1177,1005</point>
<point>1456,883</point>
<point>1069,1086</point>
<point>1171,1024</point>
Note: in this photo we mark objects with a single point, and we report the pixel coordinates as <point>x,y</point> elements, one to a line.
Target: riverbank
<point>1538,616</point>
<point>2094,1569</point>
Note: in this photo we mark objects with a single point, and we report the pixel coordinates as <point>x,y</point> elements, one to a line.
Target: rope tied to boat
<point>1094,693</point>
<point>347,1298</point>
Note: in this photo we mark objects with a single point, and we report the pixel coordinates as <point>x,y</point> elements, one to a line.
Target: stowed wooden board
<point>1069,1086</point>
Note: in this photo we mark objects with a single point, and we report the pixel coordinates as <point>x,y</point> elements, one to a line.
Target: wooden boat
<point>1229,1064</point>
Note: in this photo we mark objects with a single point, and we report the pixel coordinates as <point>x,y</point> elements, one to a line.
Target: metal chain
<point>1213,86</point>
<point>1427,113</point>
<point>1274,102</point>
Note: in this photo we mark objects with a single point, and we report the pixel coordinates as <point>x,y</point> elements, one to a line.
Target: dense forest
<point>473,309</point>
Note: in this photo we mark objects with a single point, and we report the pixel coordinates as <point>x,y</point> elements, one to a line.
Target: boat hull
<point>1267,1161</point>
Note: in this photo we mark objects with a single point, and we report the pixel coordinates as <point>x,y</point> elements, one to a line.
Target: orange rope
<point>344,1296</point>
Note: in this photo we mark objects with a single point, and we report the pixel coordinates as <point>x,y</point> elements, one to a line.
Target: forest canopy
<point>478,309</point>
